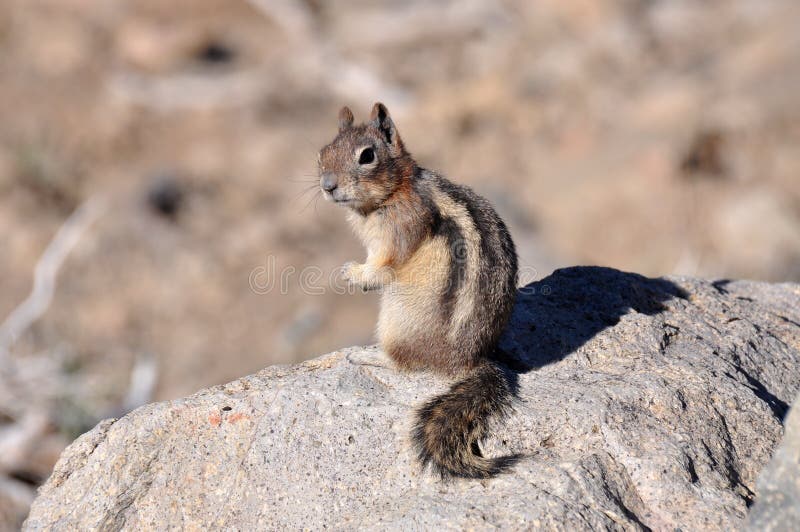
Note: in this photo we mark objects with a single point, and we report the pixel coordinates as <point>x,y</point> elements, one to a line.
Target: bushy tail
<point>450,426</point>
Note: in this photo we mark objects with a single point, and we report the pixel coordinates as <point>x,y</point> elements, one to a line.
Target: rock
<point>643,403</point>
<point>778,505</point>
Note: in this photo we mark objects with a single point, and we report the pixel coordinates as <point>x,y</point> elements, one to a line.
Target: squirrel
<point>447,271</point>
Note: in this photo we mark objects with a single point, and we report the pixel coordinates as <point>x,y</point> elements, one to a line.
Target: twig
<point>37,302</point>
<point>143,382</point>
<point>17,439</point>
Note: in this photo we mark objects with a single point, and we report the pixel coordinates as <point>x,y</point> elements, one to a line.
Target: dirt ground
<point>652,136</point>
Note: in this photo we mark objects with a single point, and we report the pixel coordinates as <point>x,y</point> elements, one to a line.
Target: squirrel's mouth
<point>338,198</point>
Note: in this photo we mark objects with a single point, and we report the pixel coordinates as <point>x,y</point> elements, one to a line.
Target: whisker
<point>307,179</point>
<point>305,191</point>
<point>312,200</point>
<point>316,201</point>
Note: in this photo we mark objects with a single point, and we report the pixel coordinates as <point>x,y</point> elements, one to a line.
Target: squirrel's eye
<point>367,156</point>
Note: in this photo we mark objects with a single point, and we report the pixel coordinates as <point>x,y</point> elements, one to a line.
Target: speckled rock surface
<point>642,403</point>
<point>778,505</point>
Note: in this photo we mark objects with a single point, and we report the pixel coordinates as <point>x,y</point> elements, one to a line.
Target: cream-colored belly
<point>410,307</point>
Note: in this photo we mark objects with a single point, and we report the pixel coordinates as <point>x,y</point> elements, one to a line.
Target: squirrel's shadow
<point>555,316</point>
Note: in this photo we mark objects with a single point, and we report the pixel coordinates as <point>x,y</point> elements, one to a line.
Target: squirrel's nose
<point>328,182</point>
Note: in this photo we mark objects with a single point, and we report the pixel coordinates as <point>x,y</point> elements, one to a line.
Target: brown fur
<point>447,269</point>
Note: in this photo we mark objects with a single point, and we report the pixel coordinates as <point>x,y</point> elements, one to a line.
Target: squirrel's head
<point>365,163</point>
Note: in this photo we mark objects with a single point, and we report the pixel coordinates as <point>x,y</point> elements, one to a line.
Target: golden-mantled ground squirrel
<point>447,270</point>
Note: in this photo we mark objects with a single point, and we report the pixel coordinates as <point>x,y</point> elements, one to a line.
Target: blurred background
<point>166,154</point>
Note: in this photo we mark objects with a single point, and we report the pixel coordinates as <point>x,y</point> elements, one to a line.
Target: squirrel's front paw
<point>358,275</point>
<point>350,272</point>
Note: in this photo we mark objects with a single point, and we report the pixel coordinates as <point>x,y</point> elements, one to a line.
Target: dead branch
<point>32,308</point>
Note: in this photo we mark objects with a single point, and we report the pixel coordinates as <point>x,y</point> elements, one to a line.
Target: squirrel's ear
<point>345,118</point>
<point>383,122</point>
